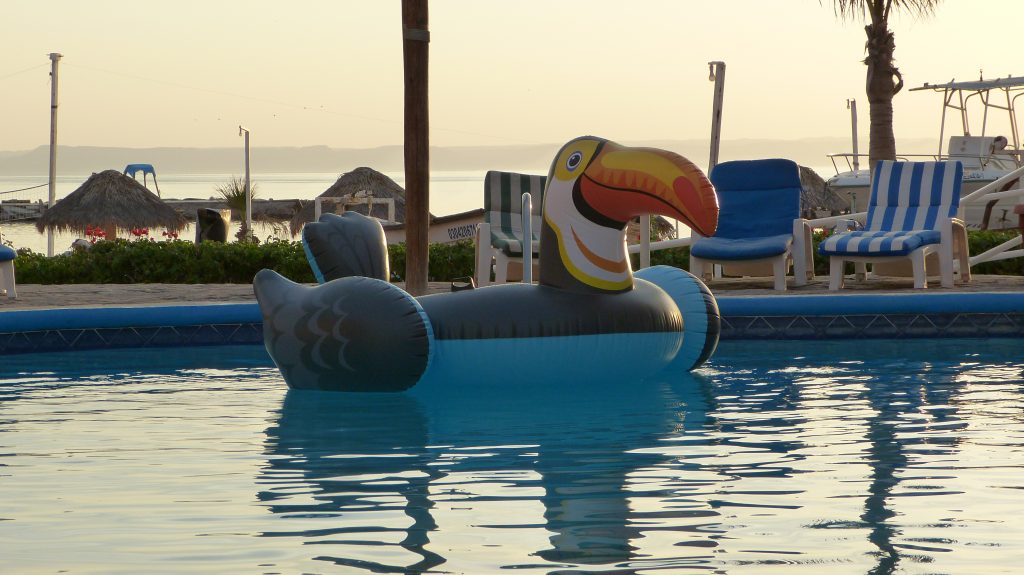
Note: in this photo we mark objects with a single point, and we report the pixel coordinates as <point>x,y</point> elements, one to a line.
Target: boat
<point>986,155</point>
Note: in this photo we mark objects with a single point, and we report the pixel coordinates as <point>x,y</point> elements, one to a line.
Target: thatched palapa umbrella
<point>817,197</point>
<point>357,184</point>
<point>110,201</point>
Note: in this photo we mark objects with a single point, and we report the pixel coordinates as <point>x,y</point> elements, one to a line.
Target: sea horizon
<point>450,193</point>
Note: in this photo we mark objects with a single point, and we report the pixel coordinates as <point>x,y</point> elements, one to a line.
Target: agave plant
<point>233,192</point>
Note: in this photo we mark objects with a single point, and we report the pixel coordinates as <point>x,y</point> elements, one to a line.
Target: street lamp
<point>248,190</point>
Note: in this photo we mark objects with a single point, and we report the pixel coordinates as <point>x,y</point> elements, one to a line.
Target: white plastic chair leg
<point>698,268</point>
<point>836,267</point>
<point>920,272</point>
<point>483,254</point>
<point>7,280</point>
<point>802,252</point>
<point>501,262</point>
<point>779,271</point>
<point>860,271</point>
<point>946,265</point>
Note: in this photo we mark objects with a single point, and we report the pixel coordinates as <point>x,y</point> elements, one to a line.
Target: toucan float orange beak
<point>622,183</point>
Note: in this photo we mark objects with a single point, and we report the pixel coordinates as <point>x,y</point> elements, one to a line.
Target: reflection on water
<point>368,456</point>
<point>762,460</point>
<point>794,456</point>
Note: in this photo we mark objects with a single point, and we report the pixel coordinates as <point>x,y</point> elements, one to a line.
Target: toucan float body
<point>587,316</point>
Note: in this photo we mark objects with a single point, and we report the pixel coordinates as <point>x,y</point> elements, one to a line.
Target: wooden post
<point>54,60</point>
<point>415,40</point>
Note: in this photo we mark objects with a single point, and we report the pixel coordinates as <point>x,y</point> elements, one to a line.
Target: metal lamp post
<point>248,190</point>
<point>54,60</point>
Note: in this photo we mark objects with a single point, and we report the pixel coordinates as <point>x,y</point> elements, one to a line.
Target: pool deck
<point>87,316</point>
<point>52,297</point>
<point>34,296</point>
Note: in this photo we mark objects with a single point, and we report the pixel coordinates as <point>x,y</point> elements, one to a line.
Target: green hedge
<point>142,261</point>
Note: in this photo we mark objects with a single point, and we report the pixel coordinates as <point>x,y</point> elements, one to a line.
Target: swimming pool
<point>887,456</point>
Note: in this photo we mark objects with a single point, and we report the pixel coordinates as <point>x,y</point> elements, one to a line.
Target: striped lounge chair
<point>503,193</point>
<point>910,215</point>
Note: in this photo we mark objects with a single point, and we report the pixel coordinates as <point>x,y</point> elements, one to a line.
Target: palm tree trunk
<point>883,82</point>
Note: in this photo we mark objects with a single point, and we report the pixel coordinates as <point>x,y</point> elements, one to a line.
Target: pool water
<point>795,457</point>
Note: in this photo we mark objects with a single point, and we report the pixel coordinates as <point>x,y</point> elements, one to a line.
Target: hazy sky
<point>329,72</point>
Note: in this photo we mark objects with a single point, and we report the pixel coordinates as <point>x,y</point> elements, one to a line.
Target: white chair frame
<point>798,254</point>
<point>7,286</point>
<point>952,232</point>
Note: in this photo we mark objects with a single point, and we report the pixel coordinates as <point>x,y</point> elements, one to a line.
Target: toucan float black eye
<point>574,161</point>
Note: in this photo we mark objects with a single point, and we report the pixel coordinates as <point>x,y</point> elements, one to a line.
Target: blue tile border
<point>874,326</point>
<point>852,316</point>
<point>107,338</point>
<point>859,316</point>
<point>70,329</point>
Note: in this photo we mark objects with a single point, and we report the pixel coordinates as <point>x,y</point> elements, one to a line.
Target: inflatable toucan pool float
<point>588,316</point>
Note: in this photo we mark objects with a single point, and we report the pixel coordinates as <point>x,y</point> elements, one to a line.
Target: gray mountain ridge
<point>535,158</point>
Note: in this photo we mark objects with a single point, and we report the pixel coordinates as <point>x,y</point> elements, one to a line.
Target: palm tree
<point>233,192</point>
<point>884,79</point>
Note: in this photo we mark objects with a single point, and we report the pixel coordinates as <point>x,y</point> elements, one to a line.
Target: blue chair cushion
<point>7,254</point>
<point>877,243</point>
<point>756,198</point>
<point>716,248</point>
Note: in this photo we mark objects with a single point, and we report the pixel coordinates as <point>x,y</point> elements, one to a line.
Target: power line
<point>308,108</point>
<point>23,189</point>
<point>12,74</point>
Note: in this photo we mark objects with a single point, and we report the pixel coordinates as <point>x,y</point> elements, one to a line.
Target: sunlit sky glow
<point>187,73</point>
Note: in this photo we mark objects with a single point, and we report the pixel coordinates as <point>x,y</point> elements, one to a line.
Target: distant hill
<point>88,159</point>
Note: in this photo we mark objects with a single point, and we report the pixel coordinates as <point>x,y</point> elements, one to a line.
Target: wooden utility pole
<point>415,40</point>
<point>52,197</point>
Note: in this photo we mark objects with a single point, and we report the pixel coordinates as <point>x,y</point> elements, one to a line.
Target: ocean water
<point>450,193</point>
<point>794,457</point>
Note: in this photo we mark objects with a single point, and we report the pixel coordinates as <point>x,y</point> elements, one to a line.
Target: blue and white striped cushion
<point>909,200</point>
<point>866,242</point>
<point>503,206</point>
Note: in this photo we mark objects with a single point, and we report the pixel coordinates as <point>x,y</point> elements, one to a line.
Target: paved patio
<point>33,296</point>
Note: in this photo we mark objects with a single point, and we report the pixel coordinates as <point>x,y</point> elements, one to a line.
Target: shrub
<point>178,261</point>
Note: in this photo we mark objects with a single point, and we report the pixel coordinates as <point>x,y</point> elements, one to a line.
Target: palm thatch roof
<point>817,197</point>
<point>110,200</point>
<point>359,183</point>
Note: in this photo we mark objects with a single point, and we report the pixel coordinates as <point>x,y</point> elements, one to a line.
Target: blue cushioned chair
<point>910,215</point>
<point>7,256</point>
<point>759,211</point>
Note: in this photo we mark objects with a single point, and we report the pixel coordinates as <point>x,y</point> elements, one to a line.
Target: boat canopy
<point>956,96</point>
<point>1007,82</point>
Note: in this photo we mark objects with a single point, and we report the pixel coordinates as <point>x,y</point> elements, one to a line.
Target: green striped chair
<point>503,193</point>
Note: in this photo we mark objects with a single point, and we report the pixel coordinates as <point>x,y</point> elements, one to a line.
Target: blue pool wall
<point>847,316</point>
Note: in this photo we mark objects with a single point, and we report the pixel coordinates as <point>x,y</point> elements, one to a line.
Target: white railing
<point>346,201</point>
<point>527,211</point>
<point>987,193</point>
<point>659,245</point>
